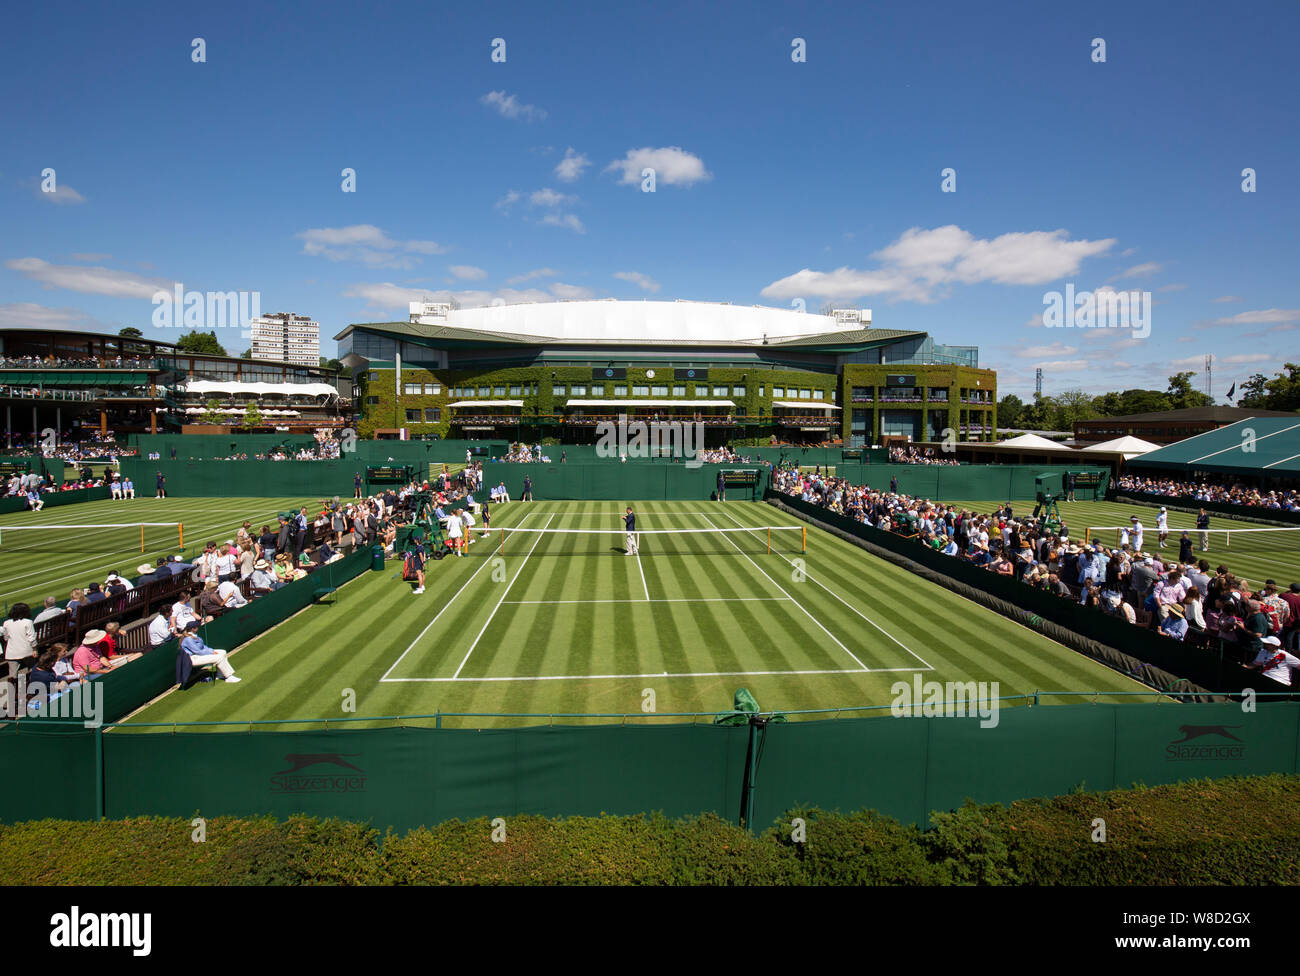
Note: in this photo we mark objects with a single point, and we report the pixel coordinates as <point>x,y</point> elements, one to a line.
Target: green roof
<point>73,379</point>
<point>1257,446</point>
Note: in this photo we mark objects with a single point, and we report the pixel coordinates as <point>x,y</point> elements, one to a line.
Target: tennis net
<point>93,539</point>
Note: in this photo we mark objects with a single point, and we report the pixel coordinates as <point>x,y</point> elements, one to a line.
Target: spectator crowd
<point>1177,596</point>
<point>1235,493</point>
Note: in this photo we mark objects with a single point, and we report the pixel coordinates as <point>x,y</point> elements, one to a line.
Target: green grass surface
<point>575,626</point>
<point>1255,556</point>
<point>34,565</point>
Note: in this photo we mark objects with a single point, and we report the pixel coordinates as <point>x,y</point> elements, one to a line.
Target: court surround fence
<point>407,776</point>
<point>53,499</point>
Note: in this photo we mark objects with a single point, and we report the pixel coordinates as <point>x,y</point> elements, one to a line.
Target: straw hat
<point>1176,609</point>
<point>144,569</point>
<point>261,564</point>
<point>93,637</point>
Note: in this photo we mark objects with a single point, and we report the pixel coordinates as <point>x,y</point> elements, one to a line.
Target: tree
<point>253,416</point>
<point>246,354</point>
<point>1282,392</point>
<point>333,364</point>
<point>212,415</point>
<point>1010,407</point>
<point>1253,393</point>
<point>200,342</point>
<point>1181,394</point>
<point>130,332</point>
<point>1071,407</point>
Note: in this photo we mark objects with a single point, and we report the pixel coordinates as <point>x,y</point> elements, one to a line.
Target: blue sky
<point>776,180</point>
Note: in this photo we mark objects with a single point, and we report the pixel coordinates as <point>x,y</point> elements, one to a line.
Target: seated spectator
<point>210,602</point>
<point>200,654</point>
<point>160,630</point>
<point>1175,624</point>
<point>87,659</point>
<point>262,580</point>
<point>1275,662</point>
<point>52,610</point>
<point>93,593</point>
<point>231,597</point>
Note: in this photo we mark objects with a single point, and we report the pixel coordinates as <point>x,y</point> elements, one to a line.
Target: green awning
<point>74,379</point>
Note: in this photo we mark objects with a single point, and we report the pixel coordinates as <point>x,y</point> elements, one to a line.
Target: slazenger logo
<point>1206,750</point>
<point>290,781</point>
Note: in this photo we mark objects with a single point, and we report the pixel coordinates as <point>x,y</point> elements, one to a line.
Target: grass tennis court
<point>34,565</point>
<point>1255,556</point>
<point>572,625</point>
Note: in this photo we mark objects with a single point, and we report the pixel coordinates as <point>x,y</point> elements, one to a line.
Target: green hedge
<point>1233,831</point>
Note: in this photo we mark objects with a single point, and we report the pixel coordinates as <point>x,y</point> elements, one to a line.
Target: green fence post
<point>437,719</point>
<point>99,772</point>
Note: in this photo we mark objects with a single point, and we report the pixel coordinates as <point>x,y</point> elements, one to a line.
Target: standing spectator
<point>161,482</point>
<point>527,495</point>
<point>630,547</point>
<point>356,485</point>
<point>20,637</point>
<point>1203,527</point>
<point>722,487</point>
<point>1185,554</point>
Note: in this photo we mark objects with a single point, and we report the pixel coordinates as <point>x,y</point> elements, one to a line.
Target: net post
<point>180,527</point>
<point>1087,536</point>
<point>142,537</point>
<point>804,544</point>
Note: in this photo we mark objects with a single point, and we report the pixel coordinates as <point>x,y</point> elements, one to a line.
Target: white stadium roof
<point>644,321</point>
<point>487,403</point>
<point>261,389</point>
<point>650,403</point>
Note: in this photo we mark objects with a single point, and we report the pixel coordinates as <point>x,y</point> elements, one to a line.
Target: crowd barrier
<point>407,777</point>
<point>1203,666</point>
<point>962,482</point>
<point>1185,503</point>
<point>53,499</point>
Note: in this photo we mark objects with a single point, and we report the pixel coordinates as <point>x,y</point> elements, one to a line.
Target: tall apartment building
<point>286,338</point>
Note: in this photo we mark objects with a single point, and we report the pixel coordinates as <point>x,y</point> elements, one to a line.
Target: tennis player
<point>455,532</point>
<point>467,516</point>
<point>1162,525</point>
<point>630,546</point>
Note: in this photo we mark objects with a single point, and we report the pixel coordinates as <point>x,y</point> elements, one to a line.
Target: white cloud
<point>564,220</point>
<point>1178,287</point>
<point>1128,252</point>
<point>644,282</point>
<point>467,272</point>
<point>29,315</point>
<point>546,197</point>
<point>62,194</point>
<point>511,108</point>
<point>91,257</point>
<point>1055,349</point>
<point>571,292</point>
<point>1063,364</point>
<point>1249,357</point>
<point>1142,270</point>
<point>570,168</point>
<point>92,281</point>
<point>530,275</point>
<point>673,166</point>
<point>364,243</point>
<point>920,261</point>
<point>1193,361</point>
<point>509,200</point>
<point>1265,316</point>
<point>1227,299</point>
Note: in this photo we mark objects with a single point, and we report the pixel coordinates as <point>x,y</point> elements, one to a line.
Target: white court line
<point>702,599</point>
<point>796,602</point>
<point>445,606</point>
<point>928,666</point>
<point>642,568</point>
<point>657,674</point>
<point>499,602</point>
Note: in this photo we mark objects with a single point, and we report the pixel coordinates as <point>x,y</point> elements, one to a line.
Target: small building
<point>1165,426</point>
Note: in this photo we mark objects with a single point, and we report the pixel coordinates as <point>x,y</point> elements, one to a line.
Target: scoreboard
<point>390,474</point>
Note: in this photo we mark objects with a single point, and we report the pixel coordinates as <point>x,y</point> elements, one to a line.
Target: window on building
<point>374,375</point>
<point>761,391</point>
<point>372,401</point>
<point>620,389</point>
<point>819,394</point>
<point>432,415</point>
<point>778,392</point>
<point>432,389</point>
<point>805,394</point>
<point>498,391</point>
<point>516,390</point>
<point>413,389</point>
<point>659,391</point>
<point>413,416</point>
<point>485,391</point>
<point>557,390</point>
<point>719,391</point>
<point>640,391</point>
<point>598,389</point>
<point>578,389</point>
<point>679,391</point>
<point>738,391</point>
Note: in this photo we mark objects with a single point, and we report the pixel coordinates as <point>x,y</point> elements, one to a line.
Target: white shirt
<point>160,631</point>
<point>1280,672</point>
<point>226,590</point>
<point>453,527</point>
<point>1162,522</point>
<point>182,612</point>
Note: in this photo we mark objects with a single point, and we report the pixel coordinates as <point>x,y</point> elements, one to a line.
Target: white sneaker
<point>234,679</point>
<point>418,589</point>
